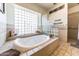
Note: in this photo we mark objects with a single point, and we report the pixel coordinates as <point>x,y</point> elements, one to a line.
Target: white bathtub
<point>24,44</point>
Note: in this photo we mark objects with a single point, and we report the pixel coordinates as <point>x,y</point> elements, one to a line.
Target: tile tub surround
<point>44,49</point>
<point>23,36</point>
<point>47,48</point>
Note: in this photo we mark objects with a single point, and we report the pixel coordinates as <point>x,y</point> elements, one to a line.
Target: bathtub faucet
<point>51,35</point>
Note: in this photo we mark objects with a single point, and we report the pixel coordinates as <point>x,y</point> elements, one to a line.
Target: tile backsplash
<point>10,31</point>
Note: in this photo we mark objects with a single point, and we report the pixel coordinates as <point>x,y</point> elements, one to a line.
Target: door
<point>73,27</point>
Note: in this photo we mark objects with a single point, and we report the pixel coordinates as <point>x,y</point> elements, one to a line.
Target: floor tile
<point>66,50</point>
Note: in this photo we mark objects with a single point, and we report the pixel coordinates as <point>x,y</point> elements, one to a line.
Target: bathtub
<point>25,44</point>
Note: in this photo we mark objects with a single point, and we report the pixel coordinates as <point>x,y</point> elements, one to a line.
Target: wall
<point>10,18</point>
<point>10,13</point>
<point>61,14</point>
<point>2,28</point>
<point>73,9</point>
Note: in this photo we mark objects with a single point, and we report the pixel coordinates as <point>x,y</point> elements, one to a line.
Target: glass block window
<point>26,20</point>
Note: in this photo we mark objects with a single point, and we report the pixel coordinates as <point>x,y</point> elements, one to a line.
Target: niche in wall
<point>58,21</point>
<point>59,8</point>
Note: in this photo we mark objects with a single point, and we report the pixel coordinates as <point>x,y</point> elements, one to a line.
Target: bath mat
<point>10,52</point>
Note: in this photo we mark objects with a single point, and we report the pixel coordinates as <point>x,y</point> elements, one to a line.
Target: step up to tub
<point>11,52</point>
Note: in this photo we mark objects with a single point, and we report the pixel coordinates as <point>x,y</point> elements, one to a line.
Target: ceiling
<point>70,5</point>
<point>46,5</point>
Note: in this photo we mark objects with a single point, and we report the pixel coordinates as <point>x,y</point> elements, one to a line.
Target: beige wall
<point>61,14</point>
<point>33,7</point>
<point>74,9</point>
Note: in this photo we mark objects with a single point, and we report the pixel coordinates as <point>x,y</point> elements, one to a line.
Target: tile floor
<point>66,50</point>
